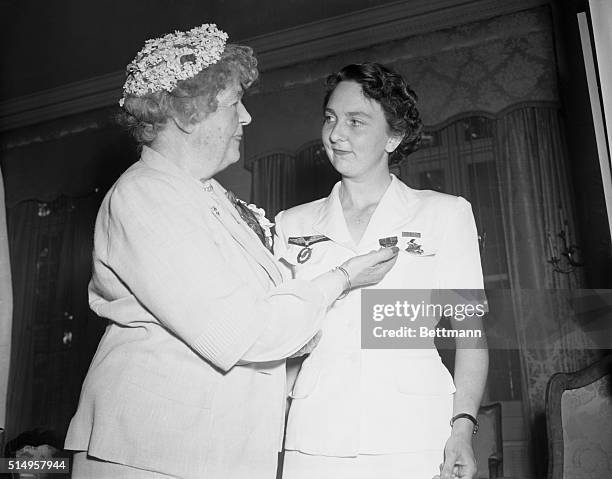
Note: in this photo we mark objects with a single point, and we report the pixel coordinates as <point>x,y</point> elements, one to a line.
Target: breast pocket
<point>412,272</point>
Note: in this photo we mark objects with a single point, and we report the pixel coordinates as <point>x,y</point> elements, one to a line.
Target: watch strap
<point>466,416</point>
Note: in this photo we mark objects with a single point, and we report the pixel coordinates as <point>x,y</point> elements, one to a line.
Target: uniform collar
<point>397,206</point>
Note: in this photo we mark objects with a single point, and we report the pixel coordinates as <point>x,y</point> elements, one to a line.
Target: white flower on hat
<point>164,61</point>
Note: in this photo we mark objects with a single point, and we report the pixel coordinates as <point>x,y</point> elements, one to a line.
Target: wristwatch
<point>466,416</point>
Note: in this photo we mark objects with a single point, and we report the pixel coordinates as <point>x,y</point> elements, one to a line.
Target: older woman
<point>189,378</point>
<point>366,413</point>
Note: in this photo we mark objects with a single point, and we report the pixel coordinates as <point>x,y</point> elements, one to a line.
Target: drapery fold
<point>273,182</point>
<point>24,252</point>
<point>281,180</point>
<point>458,158</point>
<point>537,204</point>
<point>50,250</point>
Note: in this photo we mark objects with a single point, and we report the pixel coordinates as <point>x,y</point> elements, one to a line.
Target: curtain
<point>316,176</point>
<point>6,310</point>
<point>459,158</point>
<point>282,180</point>
<point>513,169</point>
<point>536,202</point>
<point>273,182</point>
<point>51,173</point>
<point>50,250</point>
<point>25,252</point>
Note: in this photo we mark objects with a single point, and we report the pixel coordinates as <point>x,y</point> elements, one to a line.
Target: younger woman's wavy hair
<point>192,99</point>
<point>396,98</point>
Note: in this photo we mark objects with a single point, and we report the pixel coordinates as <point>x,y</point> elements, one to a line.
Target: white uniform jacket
<point>349,401</point>
<point>189,377</point>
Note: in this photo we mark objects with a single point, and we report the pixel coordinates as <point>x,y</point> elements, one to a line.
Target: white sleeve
<point>152,238</point>
<point>460,253</point>
<point>264,346</point>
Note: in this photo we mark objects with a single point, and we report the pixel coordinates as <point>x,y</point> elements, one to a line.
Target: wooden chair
<point>579,422</point>
<point>487,443</point>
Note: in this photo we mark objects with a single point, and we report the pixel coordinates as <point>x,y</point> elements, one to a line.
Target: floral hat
<point>176,56</point>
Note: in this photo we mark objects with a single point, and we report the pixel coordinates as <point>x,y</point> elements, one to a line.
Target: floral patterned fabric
<point>587,431</point>
<point>483,66</point>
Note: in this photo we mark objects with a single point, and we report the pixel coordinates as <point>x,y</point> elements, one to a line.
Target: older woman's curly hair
<point>192,99</point>
<point>396,98</point>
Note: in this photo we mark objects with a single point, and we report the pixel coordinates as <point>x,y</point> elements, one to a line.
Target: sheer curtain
<point>316,176</point>
<point>512,168</point>
<point>459,158</point>
<point>536,205</point>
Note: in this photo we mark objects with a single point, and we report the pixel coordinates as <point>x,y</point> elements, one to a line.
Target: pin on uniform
<point>306,241</point>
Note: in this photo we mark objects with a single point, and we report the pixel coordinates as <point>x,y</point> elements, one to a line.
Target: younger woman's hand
<point>459,461</point>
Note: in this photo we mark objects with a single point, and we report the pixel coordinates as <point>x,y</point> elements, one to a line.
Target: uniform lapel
<point>244,235</point>
<point>331,221</point>
<point>396,208</point>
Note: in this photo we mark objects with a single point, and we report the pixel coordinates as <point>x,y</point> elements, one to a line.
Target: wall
<point>48,44</point>
<point>483,66</point>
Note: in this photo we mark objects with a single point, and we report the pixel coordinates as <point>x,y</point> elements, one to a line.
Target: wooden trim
<point>373,26</point>
<point>557,385</point>
<point>307,42</point>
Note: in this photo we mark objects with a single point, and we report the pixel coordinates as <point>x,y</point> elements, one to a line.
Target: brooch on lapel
<point>306,241</point>
<point>412,246</point>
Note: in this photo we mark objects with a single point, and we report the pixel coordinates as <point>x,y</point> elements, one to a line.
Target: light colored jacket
<point>189,377</point>
<point>348,400</point>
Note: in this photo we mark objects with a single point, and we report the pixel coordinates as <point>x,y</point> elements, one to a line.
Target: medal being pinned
<point>412,246</point>
<point>408,242</point>
<point>306,241</point>
<point>388,242</point>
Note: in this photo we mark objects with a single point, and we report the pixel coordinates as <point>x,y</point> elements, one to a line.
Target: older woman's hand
<point>370,268</point>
